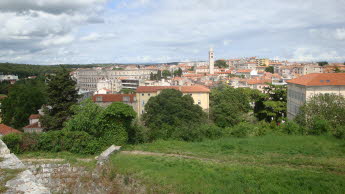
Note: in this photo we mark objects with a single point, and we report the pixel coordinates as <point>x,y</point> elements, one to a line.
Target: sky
<point>147,31</point>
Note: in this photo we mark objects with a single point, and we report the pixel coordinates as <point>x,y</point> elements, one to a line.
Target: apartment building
<point>87,79</point>
<point>199,93</point>
<point>302,88</point>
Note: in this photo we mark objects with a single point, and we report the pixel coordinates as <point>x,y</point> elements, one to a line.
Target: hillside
<point>268,164</point>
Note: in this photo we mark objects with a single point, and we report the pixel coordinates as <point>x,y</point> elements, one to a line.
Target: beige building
<point>304,87</point>
<point>200,95</point>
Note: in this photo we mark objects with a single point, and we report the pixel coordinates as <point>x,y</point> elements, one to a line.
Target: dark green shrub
<point>242,130</point>
<point>261,129</point>
<point>13,141</point>
<point>138,134</point>
<point>291,128</point>
<point>30,142</point>
<point>319,126</point>
<point>339,132</point>
<point>115,134</point>
<point>75,141</point>
<point>50,141</point>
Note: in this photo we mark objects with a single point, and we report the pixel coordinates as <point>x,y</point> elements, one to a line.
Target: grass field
<point>268,164</point>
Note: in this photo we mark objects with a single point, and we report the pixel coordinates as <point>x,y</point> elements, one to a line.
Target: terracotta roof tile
<point>183,89</point>
<point>320,79</point>
<point>4,130</point>
<point>35,116</point>
<point>32,126</point>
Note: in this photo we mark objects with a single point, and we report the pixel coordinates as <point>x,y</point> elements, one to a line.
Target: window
<point>142,94</point>
<point>143,102</point>
<point>149,94</point>
<point>199,102</point>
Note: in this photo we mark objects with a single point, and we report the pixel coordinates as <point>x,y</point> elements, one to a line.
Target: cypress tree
<point>62,94</point>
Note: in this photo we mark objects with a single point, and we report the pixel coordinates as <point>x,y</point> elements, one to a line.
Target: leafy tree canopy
<point>272,105</point>
<point>269,69</point>
<point>25,98</point>
<point>322,63</point>
<point>221,64</point>
<point>229,105</point>
<point>170,110</point>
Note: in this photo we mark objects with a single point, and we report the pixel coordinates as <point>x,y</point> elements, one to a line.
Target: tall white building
<point>211,60</point>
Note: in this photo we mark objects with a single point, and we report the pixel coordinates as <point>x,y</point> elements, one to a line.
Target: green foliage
<point>322,63</point>
<point>53,141</point>
<point>138,133</point>
<point>270,69</point>
<point>221,64</point>
<point>339,132</point>
<point>62,95</point>
<point>24,99</point>
<point>166,74</point>
<point>111,125</point>
<point>228,105</point>
<point>319,126</point>
<point>127,91</point>
<point>13,141</point>
<point>169,111</point>
<point>330,107</point>
<point>271,106</point>
<point>85,118</point>
<point>291,128</point>
<point>178,72</point>
<point>242,130</point>
<point>5,87</point>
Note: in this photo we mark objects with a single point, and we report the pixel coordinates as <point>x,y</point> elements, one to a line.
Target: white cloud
<point>340,34</point>
<point>94,36</point>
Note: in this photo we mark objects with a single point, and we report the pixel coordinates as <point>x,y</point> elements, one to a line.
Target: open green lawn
<point>268,164</point>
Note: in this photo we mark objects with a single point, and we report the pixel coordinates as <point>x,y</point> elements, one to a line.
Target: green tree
<point>228,105</point>
<point>62,95</point>
<point>322,63</point>
<point>85,118</point>
<point>170,111</point>
<point>329,107</point>
<point>269,69</point>
<point>221,64</point>
<point>127,91</point>
<point>166,73</point>
<point>24,99</point>
<point>272,105</point>
<point>178,72</point>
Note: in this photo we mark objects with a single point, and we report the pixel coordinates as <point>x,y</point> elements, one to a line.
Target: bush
<point>13,141</point>
<point>339,132</point>
<point>319,126</point>
<point>242,130</point>
<point>137,134</point>
<point>30,142</point>
<point>115,134</point>
<point>291,128</point>
<point>262,128</point>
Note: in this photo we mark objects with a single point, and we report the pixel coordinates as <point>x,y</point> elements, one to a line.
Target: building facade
<point>302,88</point>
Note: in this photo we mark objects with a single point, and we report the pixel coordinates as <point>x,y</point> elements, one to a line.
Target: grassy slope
<point>281,164</point>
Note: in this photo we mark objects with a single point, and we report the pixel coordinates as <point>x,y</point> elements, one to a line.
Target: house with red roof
<point>4,130</point>
<point>105,100</point>
<point>302,88</point>
<point>34,124</point>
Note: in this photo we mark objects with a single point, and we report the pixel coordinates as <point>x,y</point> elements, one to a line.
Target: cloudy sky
<point>126,31</point>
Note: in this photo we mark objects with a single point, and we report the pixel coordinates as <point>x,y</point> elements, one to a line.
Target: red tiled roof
<point>113,97</point>
<point>244,71</point>
<point>35,116</point>
<point>183,89</point>
<point>32,126</point>
<point>320,79</point>
<point>258,81</point>
<point>4,130</point>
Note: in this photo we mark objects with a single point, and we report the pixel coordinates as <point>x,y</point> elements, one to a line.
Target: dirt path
<point>136,152</point>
